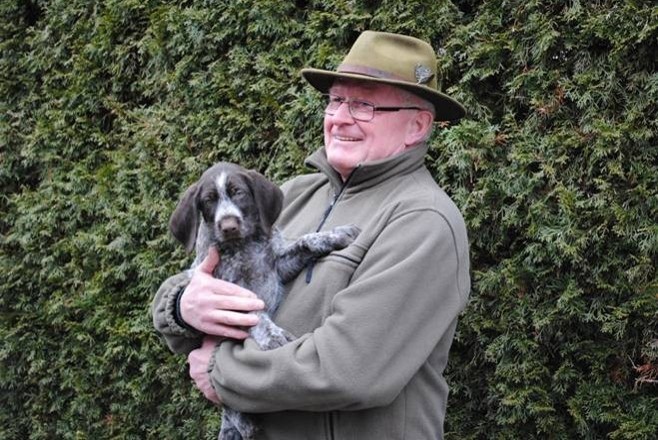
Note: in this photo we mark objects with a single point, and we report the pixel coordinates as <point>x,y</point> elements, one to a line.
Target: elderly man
<point>374,321</point>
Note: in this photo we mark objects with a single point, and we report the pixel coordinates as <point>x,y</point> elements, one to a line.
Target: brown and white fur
<point>234,209</point>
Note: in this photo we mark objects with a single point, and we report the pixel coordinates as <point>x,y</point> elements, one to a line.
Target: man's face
<point>350,142</point>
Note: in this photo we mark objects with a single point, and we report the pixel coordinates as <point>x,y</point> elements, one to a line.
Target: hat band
<point>369,71</point>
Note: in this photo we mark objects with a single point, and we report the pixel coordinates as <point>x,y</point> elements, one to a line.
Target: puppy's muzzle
<point>230,226</point>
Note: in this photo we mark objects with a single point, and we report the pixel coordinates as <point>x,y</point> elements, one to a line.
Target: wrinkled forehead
<point>377,93</point>
<point>364,89</point>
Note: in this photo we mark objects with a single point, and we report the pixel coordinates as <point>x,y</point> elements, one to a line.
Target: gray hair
<point>413,100</point>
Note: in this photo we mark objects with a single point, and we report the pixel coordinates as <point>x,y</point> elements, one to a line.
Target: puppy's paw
<point>345,235</point>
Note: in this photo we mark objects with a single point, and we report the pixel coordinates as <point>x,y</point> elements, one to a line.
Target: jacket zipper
<point>330,428</point>
<point>325,216</point>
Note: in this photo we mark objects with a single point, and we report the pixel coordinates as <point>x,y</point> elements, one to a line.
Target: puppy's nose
<point>229,225</point>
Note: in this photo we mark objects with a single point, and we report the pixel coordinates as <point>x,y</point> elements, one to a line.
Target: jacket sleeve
<point>399,309</point>
<point>179,339</point>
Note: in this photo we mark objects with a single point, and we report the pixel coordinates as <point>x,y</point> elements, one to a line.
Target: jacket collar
<point>371,173</point>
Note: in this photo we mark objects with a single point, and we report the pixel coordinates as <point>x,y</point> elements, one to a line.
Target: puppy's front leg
<point>312,246</point>
<point>268,335</point>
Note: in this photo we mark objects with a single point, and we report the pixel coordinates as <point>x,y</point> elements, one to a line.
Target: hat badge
<point>423,74</point>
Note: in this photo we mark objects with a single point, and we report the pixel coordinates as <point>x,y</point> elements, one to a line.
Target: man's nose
<point>342,113</point>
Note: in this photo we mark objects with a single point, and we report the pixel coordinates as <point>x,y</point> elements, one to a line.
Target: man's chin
<point>342,167</point>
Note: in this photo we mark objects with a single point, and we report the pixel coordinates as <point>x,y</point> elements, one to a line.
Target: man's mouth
<point>346,138</point>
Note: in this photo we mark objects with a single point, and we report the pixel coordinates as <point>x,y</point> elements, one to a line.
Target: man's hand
<point>199,360</point>
<point>216,307</point>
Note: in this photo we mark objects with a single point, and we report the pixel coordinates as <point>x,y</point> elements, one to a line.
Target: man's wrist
<point>175,321</point>
<point>178,317</point>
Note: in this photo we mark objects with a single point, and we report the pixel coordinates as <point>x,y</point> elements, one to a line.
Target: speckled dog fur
<point>234,209</point>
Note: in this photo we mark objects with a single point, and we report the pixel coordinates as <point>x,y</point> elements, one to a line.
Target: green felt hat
<point>398,60</point>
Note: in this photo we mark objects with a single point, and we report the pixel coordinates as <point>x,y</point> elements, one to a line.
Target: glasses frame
<point>329,97</point>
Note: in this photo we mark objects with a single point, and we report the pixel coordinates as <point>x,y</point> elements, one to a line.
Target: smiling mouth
<point>346,139</point>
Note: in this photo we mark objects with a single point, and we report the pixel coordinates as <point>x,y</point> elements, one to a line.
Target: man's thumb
<point>210,262</point>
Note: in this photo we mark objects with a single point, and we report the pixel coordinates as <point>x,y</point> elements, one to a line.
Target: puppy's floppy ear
<point>268,197</point>
<point>184,222</point>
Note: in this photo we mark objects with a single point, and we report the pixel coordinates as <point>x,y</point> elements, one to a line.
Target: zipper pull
<point>309,272</point>
<point>309,267</point>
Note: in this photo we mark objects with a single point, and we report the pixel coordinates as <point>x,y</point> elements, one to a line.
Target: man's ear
<point>184,222</point>
<point>419,128</point>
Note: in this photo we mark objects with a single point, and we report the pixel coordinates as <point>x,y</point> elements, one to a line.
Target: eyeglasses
<point>360,110</point>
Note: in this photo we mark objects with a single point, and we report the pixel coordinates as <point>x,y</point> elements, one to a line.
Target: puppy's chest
<point>253,269</point>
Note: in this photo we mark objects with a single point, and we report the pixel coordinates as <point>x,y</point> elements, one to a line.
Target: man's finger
<point>227,332</point>
<point>210,262</point>
<point>234,319</point>
<point>234,302</point>
<point>221,287</point>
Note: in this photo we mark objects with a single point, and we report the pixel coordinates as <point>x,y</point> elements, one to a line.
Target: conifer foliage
<point>110,108</point>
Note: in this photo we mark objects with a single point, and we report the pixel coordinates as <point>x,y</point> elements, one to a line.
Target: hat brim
<point>447,108</point>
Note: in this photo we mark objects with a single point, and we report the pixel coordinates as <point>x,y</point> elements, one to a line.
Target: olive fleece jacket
<point>374,321</point>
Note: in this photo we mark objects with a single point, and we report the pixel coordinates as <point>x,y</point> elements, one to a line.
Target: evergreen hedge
<point>110,108</point>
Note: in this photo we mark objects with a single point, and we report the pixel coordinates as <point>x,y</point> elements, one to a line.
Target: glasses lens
<point>361,110</point>
<point>333,103</point>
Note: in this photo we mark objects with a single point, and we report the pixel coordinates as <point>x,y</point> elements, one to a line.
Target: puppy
<point>234,209</point>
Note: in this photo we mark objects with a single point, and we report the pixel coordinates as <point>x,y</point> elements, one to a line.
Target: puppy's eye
<point>209,198</point>
<point>236,191</point>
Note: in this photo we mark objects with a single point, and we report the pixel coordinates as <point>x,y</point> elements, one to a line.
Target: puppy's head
<point>234,204</point>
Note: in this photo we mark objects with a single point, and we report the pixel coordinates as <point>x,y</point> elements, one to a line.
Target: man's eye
<point>360,105</point>
<point>333,102</point>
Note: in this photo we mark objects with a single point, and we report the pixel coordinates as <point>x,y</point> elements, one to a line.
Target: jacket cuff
<point>175,322</point>
<point>211,367</point>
